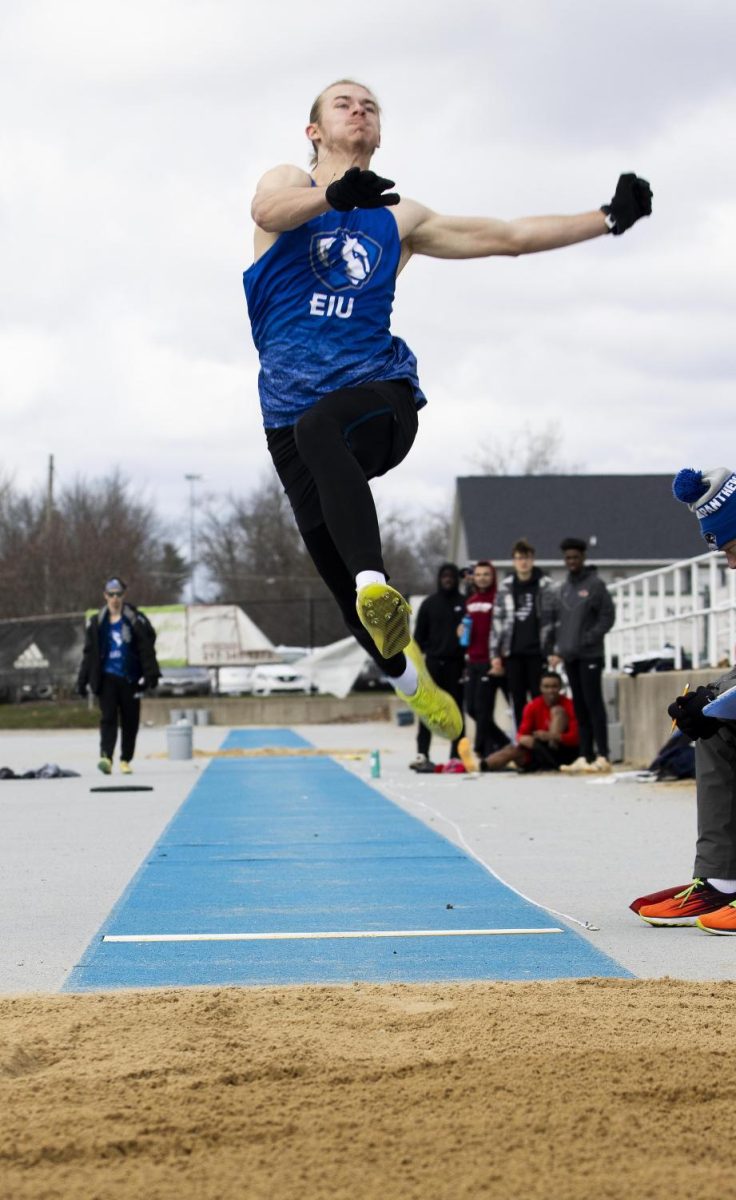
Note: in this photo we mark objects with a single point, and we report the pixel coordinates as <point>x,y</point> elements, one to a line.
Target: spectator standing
<point>522,627</point>
<point>709,900</point>
<point>583,613</point>
<point>118,661</point>
<point>548,737</point>
<point>481,687</point>
<point>436,635</point>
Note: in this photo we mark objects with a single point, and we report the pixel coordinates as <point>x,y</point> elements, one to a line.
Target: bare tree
<point>58,560</point>
<point>256,558</point>
<point>414,547</point>
<point>526,451</point>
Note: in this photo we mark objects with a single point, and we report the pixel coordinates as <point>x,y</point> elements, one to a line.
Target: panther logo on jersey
<point>344,259</point>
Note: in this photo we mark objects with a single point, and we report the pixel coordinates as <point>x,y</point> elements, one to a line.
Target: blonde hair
<point>315,111</point>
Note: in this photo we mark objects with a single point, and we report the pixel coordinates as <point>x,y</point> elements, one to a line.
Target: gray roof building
<point>632,523</point>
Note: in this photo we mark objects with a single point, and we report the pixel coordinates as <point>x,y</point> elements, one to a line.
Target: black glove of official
<point>687,712</point>
<point>360,189</point>
<point>150,682</point>
<point>633,199</point>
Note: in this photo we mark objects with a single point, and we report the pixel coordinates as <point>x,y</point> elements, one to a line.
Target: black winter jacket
<point>143,637</point>
<point>584,612</point>
<point>439,615</point>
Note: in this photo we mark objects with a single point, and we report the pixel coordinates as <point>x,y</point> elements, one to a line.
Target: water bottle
<point>375,764</point>
<point>467,624</point>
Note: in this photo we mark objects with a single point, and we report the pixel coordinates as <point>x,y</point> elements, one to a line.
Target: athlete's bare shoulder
<point>285,175</point>
<point>271,188</point>
<point>409,215</point>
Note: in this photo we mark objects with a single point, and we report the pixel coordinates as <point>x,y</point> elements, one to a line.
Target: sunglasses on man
<point>113,594</point>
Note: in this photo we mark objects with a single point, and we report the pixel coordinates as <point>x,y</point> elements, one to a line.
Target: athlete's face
<point>348,121</point>
<point>114,600</point>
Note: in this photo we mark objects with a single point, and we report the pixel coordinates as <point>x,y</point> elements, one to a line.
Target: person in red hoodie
<point>548,734</point>
<point>481,686</point>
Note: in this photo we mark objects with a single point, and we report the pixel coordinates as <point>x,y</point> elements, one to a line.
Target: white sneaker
<point>601,766</point>
<point>421,760</point>
<point>576,768</point>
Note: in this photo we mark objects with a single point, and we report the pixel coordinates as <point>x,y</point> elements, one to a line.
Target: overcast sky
<point>131,141</point>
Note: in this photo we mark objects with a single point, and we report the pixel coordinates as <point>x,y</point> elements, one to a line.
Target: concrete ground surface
<point>581,847</point>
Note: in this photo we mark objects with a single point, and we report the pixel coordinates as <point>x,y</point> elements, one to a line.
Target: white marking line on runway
<point>275,937</point>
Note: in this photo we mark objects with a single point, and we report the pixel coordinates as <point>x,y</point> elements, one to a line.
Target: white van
<point>234,681</point>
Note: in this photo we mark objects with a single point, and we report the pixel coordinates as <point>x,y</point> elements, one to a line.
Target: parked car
<point>184,681</point>
<point>290,654</point>
<point>34,691</point>
<point>372,679</point>
<point>278,677</point>
<point>234,681</point>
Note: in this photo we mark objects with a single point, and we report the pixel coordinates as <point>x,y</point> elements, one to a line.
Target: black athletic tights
<point>118,698</point>
<point>324,462</point>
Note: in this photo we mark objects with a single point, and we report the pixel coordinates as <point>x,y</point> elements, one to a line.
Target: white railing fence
<point>689,606</point>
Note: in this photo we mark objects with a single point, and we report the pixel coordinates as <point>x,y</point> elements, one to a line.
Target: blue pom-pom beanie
<point>711,495</point>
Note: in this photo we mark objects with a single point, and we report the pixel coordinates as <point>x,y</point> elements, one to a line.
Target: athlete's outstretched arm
<point>479,237</point>
<point>430,233</point>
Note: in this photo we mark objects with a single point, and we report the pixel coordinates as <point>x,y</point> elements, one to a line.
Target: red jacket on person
<point>536,718</point>
<point>479,607</point>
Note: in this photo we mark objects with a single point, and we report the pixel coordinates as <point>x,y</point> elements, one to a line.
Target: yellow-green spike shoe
<point>385,614</point>
<point>436,709</point>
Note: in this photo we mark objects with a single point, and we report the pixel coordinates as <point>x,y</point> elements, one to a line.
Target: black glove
<point>81,689</point>
<point>150,682</point>
<point>360,189</point>
<point>687,711</point>
<point>633,199</point>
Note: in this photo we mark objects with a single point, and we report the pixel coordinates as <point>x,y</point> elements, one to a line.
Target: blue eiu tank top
<point>320,302</point>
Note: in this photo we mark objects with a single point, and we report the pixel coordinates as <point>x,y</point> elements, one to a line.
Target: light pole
<point>192,479</point>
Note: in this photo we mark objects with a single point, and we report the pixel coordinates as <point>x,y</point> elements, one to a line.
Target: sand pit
<point>568,1090</point>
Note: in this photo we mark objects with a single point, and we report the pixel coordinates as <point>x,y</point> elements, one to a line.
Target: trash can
<point>203,716</point>
<point>190,714</point>
<point>404,716</point>
<point>176,715</point>
<point>179,740</point>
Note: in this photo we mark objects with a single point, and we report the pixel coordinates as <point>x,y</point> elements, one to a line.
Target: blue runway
<point>300,845</point>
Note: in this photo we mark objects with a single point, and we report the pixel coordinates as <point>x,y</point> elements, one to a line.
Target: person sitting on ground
<point>548,735</point>
<point>709,900</point>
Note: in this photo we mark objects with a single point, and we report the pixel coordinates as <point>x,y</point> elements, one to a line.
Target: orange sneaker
<point>723,920</point>
<point>655,897</point>
<point>697,900</point>
<point>466,756</point>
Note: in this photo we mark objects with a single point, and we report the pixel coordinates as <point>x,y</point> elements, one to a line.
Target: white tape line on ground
<point>358,933</point>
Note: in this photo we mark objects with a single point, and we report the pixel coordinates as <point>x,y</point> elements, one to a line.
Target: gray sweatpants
<point>715,776</point>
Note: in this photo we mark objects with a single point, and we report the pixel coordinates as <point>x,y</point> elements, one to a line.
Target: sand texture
<point>593,1088</point>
